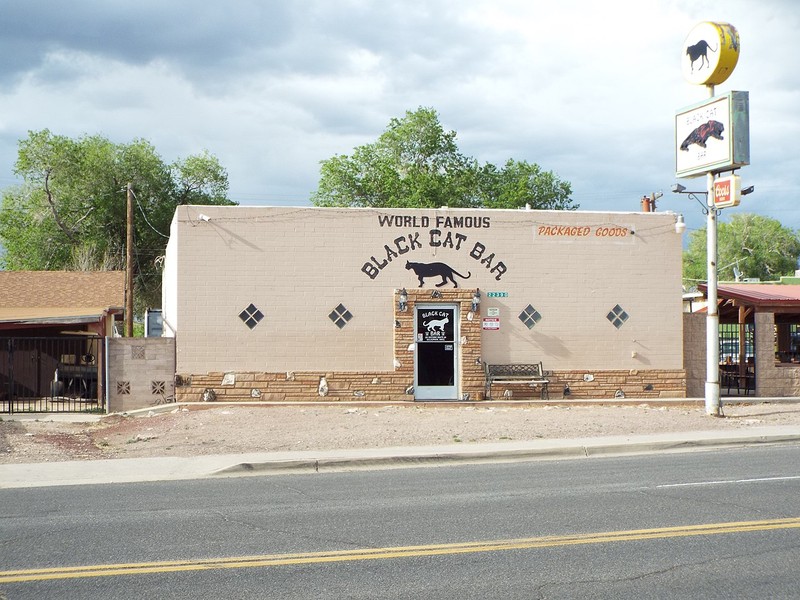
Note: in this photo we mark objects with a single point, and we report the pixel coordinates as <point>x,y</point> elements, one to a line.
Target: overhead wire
<point>146,220</point>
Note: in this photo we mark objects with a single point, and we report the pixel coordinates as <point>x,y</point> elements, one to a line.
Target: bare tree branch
<point>51,201</point>
<point>88,212</point>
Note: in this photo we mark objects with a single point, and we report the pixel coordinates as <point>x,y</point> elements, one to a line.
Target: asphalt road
<point>723,524</point>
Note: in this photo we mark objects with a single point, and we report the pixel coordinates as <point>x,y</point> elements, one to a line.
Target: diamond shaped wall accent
<point>251,316</point>
<point>530,316</point>
<point>617,316</point>
<point>340,316</point>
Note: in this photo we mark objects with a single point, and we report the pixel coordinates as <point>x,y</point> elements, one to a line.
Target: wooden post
<point>129,266</point>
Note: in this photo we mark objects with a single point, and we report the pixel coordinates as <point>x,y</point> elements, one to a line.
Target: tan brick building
<point>298,303</point>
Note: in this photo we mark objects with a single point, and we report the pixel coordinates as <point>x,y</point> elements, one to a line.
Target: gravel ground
<point>205,429</point>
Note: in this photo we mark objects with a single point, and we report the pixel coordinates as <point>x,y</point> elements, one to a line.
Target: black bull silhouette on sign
<point>699,50</point>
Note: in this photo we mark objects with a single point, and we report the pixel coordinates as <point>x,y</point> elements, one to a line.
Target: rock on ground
<point>238,429</point>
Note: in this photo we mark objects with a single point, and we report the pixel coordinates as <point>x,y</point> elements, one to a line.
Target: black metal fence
<point>737,343</point>
<point>52,374</point>
<point>737,353</point>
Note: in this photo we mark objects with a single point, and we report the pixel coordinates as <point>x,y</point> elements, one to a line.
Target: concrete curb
<point>548,450</point>
<point>132,470</point>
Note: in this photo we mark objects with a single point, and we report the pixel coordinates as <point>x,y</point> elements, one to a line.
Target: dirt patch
<point>239,429</point>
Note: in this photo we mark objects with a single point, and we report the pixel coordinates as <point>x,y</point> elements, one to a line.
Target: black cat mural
<point>446,272</point>
<point>701,134</point>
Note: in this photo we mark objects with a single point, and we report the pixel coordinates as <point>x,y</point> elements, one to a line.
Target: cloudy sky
<point>588,90</point>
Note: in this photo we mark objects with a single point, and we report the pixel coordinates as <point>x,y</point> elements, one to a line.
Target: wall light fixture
<point>476,301</point>
<point>680,225</point>
<point>402,301</point>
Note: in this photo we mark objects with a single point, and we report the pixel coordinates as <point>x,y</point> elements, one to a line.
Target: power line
<point>146,220</point>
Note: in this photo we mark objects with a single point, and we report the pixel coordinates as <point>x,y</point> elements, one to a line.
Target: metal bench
<point>531,374</point>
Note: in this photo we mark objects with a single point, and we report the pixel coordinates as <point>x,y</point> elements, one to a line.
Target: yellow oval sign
<point>710,53</point>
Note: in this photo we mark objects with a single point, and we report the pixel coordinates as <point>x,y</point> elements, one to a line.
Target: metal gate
<point>52,374</point>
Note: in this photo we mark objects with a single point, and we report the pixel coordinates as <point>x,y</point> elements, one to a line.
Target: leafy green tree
<point>415,163</point>
<point>758,246</point>
<point>520,183</point>
<point>70,210</point>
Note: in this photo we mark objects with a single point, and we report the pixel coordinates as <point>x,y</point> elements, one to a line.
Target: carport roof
<point>759,294</point>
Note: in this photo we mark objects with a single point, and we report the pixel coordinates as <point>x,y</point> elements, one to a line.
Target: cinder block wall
<point>141,372</point>
<point>694,354</point>
<point>257,291</point>
<point>772,380</point>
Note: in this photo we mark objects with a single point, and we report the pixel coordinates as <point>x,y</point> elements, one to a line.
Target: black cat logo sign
<point>713,135</point>
<point>710,53</point>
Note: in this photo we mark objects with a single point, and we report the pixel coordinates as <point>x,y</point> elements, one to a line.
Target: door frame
<point>441,393</point>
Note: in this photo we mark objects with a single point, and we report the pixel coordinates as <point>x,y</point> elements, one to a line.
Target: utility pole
<point>129,265</point>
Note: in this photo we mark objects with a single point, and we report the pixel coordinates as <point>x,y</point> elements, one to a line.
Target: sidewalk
<point>182,468</point>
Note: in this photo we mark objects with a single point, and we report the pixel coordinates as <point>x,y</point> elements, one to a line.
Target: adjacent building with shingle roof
<point>56,301</point>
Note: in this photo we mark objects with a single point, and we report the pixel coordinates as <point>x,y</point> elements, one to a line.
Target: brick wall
<point>469,342</point>
<point>634,383</point>
<point>391,387</point>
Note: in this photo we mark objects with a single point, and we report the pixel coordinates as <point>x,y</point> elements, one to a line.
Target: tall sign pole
<point>712,137</point>
<point>713,406</point>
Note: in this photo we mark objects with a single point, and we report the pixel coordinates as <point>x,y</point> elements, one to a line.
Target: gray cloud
<point>273,87</point>
<point>195,36</point>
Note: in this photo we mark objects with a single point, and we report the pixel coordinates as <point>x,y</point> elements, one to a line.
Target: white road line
<point>724,481</point>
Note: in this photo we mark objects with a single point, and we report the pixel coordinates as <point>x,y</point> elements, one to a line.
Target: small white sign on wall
<point>491,323</point>
<point>493,312</point>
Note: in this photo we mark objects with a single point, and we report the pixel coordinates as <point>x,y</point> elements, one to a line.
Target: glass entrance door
<point>436,352</point>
